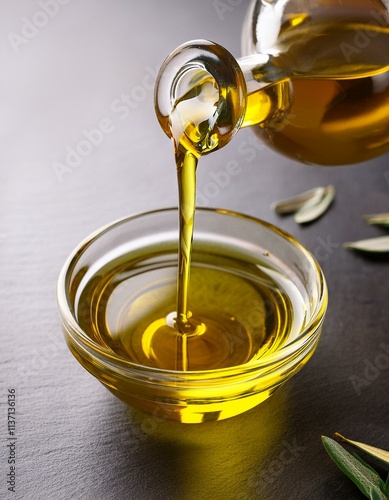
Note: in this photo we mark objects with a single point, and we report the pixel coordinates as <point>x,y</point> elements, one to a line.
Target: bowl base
<point>196,412</point>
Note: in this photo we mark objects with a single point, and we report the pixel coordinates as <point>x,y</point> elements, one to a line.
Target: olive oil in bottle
<point>332,106</point>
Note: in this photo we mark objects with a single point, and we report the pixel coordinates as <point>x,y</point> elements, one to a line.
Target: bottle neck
<point>268,89</point>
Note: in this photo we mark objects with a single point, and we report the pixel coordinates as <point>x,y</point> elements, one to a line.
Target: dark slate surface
<point>74,439</point>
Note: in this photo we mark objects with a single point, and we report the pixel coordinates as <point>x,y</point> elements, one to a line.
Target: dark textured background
<point>74,439</point>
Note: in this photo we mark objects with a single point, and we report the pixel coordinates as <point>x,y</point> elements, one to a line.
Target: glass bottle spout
<point>200,96</point>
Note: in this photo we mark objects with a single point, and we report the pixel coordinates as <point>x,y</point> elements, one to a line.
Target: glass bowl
<point>129,260</point>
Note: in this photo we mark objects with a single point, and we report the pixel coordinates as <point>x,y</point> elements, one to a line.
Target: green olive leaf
<point>290,205</point>
<point>372,245</point>
<point>366,479</point>
<point>378,219</point>
<point>315,208</point>
<point>362,461</point>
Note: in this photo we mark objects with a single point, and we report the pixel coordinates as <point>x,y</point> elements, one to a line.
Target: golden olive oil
<point>333,106</point>
<point>330,108</point>
<point>241,311</point>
